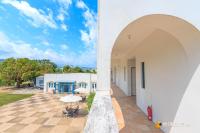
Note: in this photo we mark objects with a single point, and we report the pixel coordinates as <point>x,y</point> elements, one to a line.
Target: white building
<point>151,49</point>
<point>39,82</point>
<point>69,81</point>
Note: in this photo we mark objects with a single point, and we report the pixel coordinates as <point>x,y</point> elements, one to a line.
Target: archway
<point>164,51</point>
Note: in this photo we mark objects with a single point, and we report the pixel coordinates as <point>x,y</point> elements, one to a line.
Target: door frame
<point>133,68</point>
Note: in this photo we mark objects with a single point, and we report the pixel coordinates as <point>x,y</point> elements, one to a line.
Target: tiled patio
<point>42,113</point>
<point>129,117</point>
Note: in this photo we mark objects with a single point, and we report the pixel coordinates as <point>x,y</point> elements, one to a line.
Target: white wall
<point>166,71</point>
<point>115,16</point>
<point>70,77</point>
<point>121,79</point>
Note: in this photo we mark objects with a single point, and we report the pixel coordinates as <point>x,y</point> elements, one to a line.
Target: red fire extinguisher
<point>149,111</point>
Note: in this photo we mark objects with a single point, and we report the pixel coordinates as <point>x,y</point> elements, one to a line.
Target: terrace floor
<point>41,113</point>
<point>129,117</point>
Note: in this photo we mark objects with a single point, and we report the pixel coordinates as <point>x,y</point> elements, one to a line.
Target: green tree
<point>77,70</point>
<point>18,70</point>
<point>46,66</point>
<point>87,71</point>
<point>7,70</point>
<point>93,71</point>
<point>67,69</point>
<point>59,70</point>
<point>70,69</point>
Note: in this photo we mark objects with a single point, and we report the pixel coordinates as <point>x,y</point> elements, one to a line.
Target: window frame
<point>143,83</point>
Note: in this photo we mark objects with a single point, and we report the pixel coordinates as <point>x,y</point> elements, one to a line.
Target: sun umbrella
<point>70,99</point>
<point>82,90</point>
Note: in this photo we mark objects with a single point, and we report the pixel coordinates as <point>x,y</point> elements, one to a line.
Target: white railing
<point>101,118</point>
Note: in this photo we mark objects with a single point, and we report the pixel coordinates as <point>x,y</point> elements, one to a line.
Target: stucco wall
<point>166,71</point>
<point>116,15</point>
<point>121,78</point>
<point>70,77</point>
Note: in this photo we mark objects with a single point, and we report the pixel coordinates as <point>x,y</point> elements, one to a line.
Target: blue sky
<point>64,31</point>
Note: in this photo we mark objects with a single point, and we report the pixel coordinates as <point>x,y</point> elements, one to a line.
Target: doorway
<point>133,81</point>
<point>115,75</point>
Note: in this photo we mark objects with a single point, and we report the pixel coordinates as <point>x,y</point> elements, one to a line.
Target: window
<point>83,85</point>
<point>143,75</point>
<point>51,85</point>
<point>41,82</point>
<point>94,85</point>
<point>124,73</point>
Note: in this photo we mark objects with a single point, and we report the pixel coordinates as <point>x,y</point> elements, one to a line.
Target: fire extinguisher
<point>149,111</point>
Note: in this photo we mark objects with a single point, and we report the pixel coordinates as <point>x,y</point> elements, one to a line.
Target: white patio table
<point>82,91</point>
<point>70,99</point>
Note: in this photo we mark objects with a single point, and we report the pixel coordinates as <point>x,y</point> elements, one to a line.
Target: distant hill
<point>1,60</point>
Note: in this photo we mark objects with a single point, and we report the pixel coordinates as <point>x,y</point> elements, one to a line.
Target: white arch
<point>187,39</point>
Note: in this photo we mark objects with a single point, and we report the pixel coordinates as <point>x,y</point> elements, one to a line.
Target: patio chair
<point>76,111</point>
<point>65,113</point>
<point>83,98</point>
<point>68,112</point>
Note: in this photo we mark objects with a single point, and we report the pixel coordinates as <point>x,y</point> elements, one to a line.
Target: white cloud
<point>65,3</point>
<point>61,17</point>
<point>63,11</point>
<point>64,46</point>
<point>81,4</point>
<point>19,49</point>
<point>64,27</point>
<point>45,42</point>
<point>45,31</point>
<point>88,36</point>
<point>37,17</point>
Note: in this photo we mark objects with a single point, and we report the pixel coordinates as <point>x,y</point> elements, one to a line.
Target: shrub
<point>27,84</point>
<point>2,82</point>
<point>6,83</point>
<point>90,99</point>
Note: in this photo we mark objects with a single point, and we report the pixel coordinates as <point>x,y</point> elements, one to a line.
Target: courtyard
<point>41,113</point>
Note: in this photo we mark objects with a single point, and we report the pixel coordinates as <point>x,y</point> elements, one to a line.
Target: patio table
<point>82,91</point>
<point>70,100</point>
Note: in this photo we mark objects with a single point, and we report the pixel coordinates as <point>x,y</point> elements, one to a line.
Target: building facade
<point>67,83</point>
<point>151,49</point>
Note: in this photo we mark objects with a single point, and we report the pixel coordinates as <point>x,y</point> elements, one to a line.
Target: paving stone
<point>30,128</point>
<point>42,113</point>
<point>16,120</point>
<point>5,126</point>
<point>44,129</point>
<point>129,117</point>
<point>15,128</point>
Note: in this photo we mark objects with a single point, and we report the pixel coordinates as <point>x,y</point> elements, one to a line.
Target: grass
<point>6,98</point>
<point>90,99</point>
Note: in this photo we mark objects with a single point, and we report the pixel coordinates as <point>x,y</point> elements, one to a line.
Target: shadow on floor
<point>129,117</point>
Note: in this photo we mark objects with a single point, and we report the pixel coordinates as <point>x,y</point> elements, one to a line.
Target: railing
<point>101,118</point>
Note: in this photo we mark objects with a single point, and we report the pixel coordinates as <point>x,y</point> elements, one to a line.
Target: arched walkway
<point>155,59</point>
<point>129,117</point>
